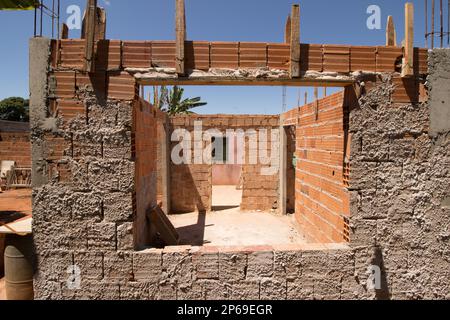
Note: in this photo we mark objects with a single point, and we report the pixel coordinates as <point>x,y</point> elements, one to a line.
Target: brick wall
<point>260,191</point>
<point>203,55</point>
<point>321,196</point>
<point>145,146</point>
<point>15,146</point>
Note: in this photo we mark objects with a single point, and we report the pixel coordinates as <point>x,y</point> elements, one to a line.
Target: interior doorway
<point>291,167</point>
<point>226,174</point>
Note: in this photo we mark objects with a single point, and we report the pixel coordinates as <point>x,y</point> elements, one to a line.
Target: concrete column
<point>439,73</point>
<point>165,154</point>
<point>283,169</point>
<point>39,61</point>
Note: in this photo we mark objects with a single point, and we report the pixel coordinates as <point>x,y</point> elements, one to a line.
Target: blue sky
<point>322,21</point>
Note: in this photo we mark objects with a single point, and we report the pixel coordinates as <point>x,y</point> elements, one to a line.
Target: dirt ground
<point>227,225</point>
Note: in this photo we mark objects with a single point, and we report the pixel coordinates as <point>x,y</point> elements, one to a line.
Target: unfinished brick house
<point>371,180</point>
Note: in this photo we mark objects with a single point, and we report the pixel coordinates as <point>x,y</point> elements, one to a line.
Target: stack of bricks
<point>321,197</point>
<point>203,55</point>
<point>260,191</point>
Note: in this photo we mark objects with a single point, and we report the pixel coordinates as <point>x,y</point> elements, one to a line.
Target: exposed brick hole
<point>346,175</point>
<point>346,229</point>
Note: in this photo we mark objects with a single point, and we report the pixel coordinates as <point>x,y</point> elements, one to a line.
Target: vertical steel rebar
<point>426,23</point>
<point>35,21</point>
<point>58,20</point>
<point>53,19</point>
<point>42,16</point>
<point>432,23</point>
<point>441,13</point>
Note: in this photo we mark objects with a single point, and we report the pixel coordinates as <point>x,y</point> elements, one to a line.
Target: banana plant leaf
<point>18,4</point>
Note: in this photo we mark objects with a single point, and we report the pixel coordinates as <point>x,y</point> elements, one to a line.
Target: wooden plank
<point>295,42</point>
<point>180,30</point>
<point>162,231</point>
<point>408,60</point>
<point>391,35</point>
<point>91,17</point>
<point>100,28</point>
<point>287,30</point>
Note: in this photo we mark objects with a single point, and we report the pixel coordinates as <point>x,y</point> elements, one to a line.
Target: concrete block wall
<point>144,148</point>
<point>260,191</point>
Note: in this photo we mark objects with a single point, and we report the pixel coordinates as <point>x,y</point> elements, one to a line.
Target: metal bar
<point>35,21</point>
<point>432,23</point>
<point>53,18</point>
<point>442,23</point>
<point>448,23</point>
<point>42,14</point>
<point>58,28</point>
<point>426,23</point>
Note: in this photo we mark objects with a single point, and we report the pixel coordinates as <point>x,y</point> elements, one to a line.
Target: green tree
<point>15,109</point>
<point>172,102</point>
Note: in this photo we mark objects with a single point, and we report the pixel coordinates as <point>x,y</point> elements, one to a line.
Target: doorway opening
<point>291,165</point>
<point>227,184</point>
